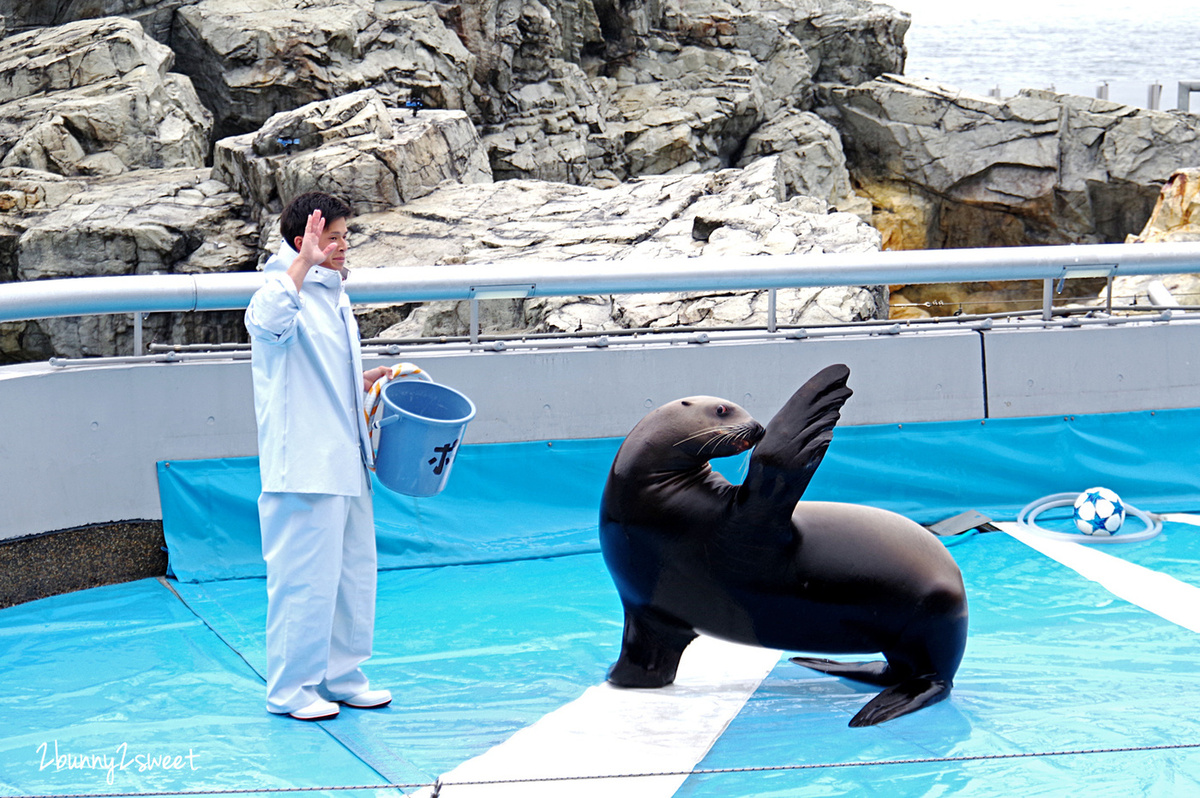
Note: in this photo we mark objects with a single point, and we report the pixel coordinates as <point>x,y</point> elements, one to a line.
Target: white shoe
<point>317,710</point>
<point>369,699</point>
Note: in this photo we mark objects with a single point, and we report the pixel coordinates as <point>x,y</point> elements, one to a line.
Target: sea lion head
<point>691,431</point>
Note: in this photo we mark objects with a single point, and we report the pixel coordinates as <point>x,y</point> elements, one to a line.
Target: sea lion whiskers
<point>706,431</point>
<point>716,441</point>
<point>747,432</point>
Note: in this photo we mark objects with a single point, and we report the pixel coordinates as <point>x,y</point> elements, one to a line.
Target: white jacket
<point>308,397</point>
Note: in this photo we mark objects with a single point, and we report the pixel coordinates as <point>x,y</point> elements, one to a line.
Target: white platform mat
<point>610,732</point>
<point>1163,595</point>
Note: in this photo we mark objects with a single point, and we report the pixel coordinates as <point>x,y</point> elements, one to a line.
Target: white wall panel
<point>1095,369</point>
<point>78,445</point>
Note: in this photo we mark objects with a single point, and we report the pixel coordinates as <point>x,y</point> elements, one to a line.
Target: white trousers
<point>321,570</point>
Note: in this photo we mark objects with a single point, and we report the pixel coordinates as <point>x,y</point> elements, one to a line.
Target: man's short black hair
<point>295,215</point>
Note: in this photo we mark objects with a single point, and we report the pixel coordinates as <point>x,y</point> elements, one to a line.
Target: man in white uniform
<point>318,526</point>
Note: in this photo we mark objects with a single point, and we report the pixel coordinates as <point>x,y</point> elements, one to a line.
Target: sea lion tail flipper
<point>796,438</point>
<point>878,672</point>
<point>650,650</point>
<point>900,699</point>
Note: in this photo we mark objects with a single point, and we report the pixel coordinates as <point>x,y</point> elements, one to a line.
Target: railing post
<point>1186,87</point>
<point>1154,96</point>
<point>138,348</point>
<point>509,291</point>
<point>771,306</point>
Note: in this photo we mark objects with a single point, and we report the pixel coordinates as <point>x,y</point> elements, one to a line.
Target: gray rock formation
<point>581,92</point>
<point>947,168</point>
<point>96,98</point>
<point>810,154</point>
<point>584,92</point>
<point>155,16</point>
<point>421,184</point>
<point>690,108</point>
<point>355,147</point>
<point>847,41</point>
<point>102,171</point>
<point>675,87</point>
<point>251,59</point>
<point>668,127</point>
<point>141,222</point>
<point>735,212</point>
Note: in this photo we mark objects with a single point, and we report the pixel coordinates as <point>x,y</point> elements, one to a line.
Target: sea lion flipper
<point>900,699</point>
<point>650,650</point>
<point>795,441</point>
<point>876,672</point>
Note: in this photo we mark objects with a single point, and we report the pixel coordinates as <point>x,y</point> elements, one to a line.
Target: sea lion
<point>691,553</point>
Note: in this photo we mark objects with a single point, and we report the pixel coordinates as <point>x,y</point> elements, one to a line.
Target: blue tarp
<point>449,642</point>
<point>124,689</point>
<point>540,499</point>
<point>496,609</point>
<point>503,502</point>
<point>1053,663</point>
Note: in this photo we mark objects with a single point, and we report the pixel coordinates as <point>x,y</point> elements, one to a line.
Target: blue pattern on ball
<point>1099,511</point>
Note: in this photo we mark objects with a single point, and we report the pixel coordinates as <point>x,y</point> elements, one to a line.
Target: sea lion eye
<point>685,403</point>
<point>722,410</point>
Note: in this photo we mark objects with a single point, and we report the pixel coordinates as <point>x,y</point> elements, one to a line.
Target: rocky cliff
<point>164,135</point>
<point>948,169</point>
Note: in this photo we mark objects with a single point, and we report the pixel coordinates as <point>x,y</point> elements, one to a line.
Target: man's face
<point>335,231</point>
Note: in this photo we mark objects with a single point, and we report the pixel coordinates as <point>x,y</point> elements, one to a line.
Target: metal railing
<point>141,294</point>
<point>1127,91</point>
<point>1186,87</point>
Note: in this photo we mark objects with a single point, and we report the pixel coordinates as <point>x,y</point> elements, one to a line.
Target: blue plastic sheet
<point>504,501</point>
<point>475,653</point>
<point>540,499</point>
<point>1053,663</point>
<point>472,653</point>
<point>210,518</point>
<point>932,471</point>
<point>124,689</point>
<point>498,610</point>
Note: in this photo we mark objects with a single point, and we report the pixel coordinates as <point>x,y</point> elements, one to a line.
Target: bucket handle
<point>372,405</point>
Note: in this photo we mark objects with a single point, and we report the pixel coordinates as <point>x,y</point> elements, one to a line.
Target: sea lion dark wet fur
<point>691,553</point>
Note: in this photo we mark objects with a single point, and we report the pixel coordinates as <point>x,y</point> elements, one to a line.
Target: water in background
<point>1074,46</point>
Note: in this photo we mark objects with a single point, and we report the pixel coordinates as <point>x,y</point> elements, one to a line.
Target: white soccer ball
<point>1099,511</point>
